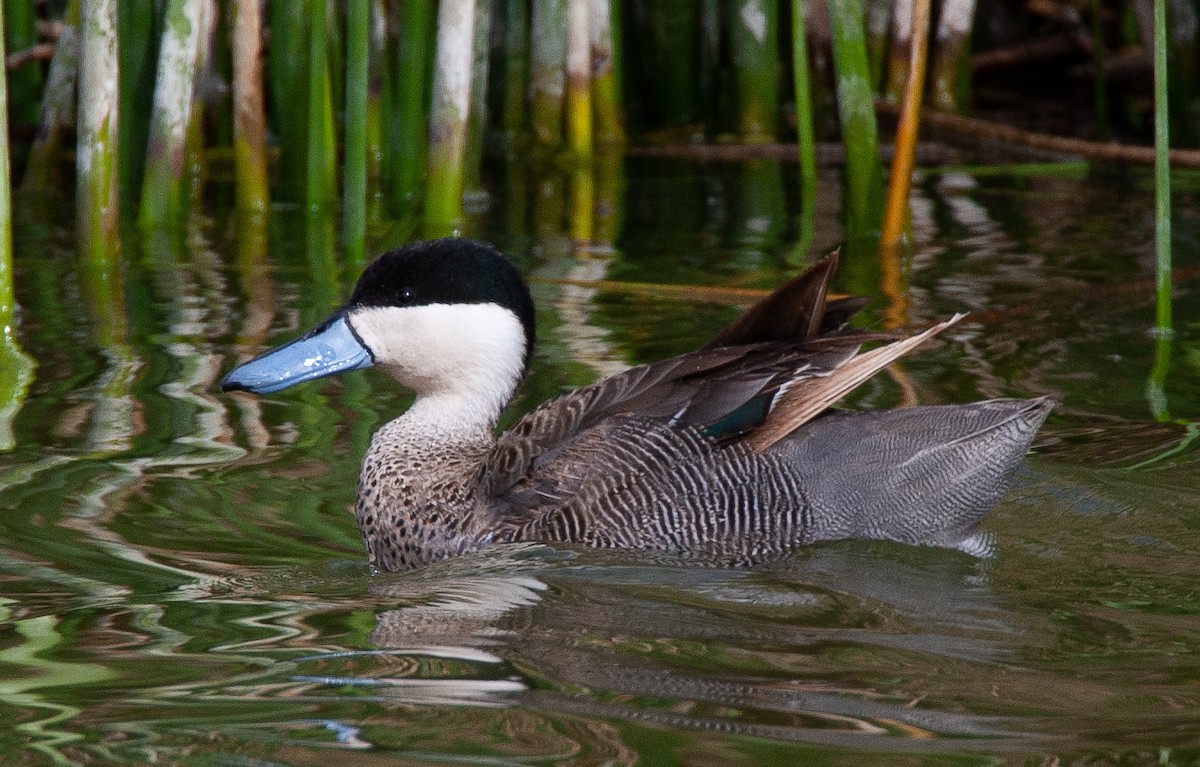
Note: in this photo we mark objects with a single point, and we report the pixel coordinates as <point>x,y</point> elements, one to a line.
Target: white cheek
<point>440,349</point>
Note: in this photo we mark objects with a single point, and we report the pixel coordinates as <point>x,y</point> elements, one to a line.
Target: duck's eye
<point>407,296</point>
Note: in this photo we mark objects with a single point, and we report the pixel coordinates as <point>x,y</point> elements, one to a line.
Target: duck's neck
<point>464,362</point>
<point>462,381</point>
<point>451,417</point>
<point>418,493</point>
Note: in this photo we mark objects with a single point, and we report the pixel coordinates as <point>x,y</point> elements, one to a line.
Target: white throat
<point>464,361</point>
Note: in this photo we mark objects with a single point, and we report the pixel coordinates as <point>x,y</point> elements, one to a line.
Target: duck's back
<point>639,483</point>
<point>920,475</point>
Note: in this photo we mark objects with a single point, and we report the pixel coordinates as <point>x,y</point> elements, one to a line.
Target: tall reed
<point>805,130</point>
<point>448,116</point>
<point>579,85</point>
<point>477,111</point>
<point>954,26</point>
<point>710,66</point>
<point>139,33</point>
<point>320,148</point>
<point>24,82</point>
<point>879,17</point>
<point>686,56</point>
<point>904,155</point>
<point>754,38</point>
<point>376,58</point>
<point>58,106</point>
<point>606,92</point>
<point>899,52</point>
<point>546,78</point>
<point>856,106</point>
<point>16,368</point>
<point>1162,171</point>
<point>354,169</point>
<point>410,27</point>
<point>7,300</point>
<point>287,65</point>
<point>249,116</point>
<point>170,119</point>
<point>96,156</point>
<point>516,68</point>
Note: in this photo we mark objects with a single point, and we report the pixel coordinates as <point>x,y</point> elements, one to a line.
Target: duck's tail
<point>922,475</point>
<point>809,396</point>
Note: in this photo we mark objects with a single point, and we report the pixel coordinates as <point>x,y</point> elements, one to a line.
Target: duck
<point>733,452</point>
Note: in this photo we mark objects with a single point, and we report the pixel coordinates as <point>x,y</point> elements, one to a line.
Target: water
<point>182,582</point>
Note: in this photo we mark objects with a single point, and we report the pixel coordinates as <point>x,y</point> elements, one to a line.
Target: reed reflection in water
<point>181,578</point>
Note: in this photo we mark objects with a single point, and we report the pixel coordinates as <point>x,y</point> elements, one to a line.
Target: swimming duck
<point>730,451</point>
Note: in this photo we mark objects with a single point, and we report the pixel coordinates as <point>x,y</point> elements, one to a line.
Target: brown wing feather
<point>793,313</point>
<point>808,397</point>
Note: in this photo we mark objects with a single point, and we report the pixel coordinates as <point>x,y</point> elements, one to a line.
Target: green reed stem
<point>449,105</point>
<point>1162,172</point>
<point>139,33</point>
<point>321,157</point>
<point>755,41</point>
<point>335,57</point>
<point>96,158</point>
<point>216,58</point>
<point>879,16</point>
<point>579,86</point>
<point>102,291</point>
<point>805,132</point>
<point>193,168</point>
<point>16,367</point>
<point>16,375</point>
<point>286,63</point>
<point>249,116</point>
<point>407,118</point>
<point>856,107</point>
<point>58,105</point>
<point>516,67</point>
<point>376,54</point>
<point>898,52</point>
<point>822,81</point>
<point>953,28</point>
<point>172,112</point>
<point>24,82</point>
<point>605,90</point>
<point>668,55</point>
<point>546,76</point>
<point>477,114</point>
<point>354,169</point>
<point>7,301</point>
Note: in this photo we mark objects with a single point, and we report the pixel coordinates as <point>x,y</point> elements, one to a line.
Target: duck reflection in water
<point>607,636</point>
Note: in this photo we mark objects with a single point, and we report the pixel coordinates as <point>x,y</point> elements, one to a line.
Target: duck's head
<point>447,318</point>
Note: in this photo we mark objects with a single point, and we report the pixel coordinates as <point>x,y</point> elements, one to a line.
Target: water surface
<point>183,583</point>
